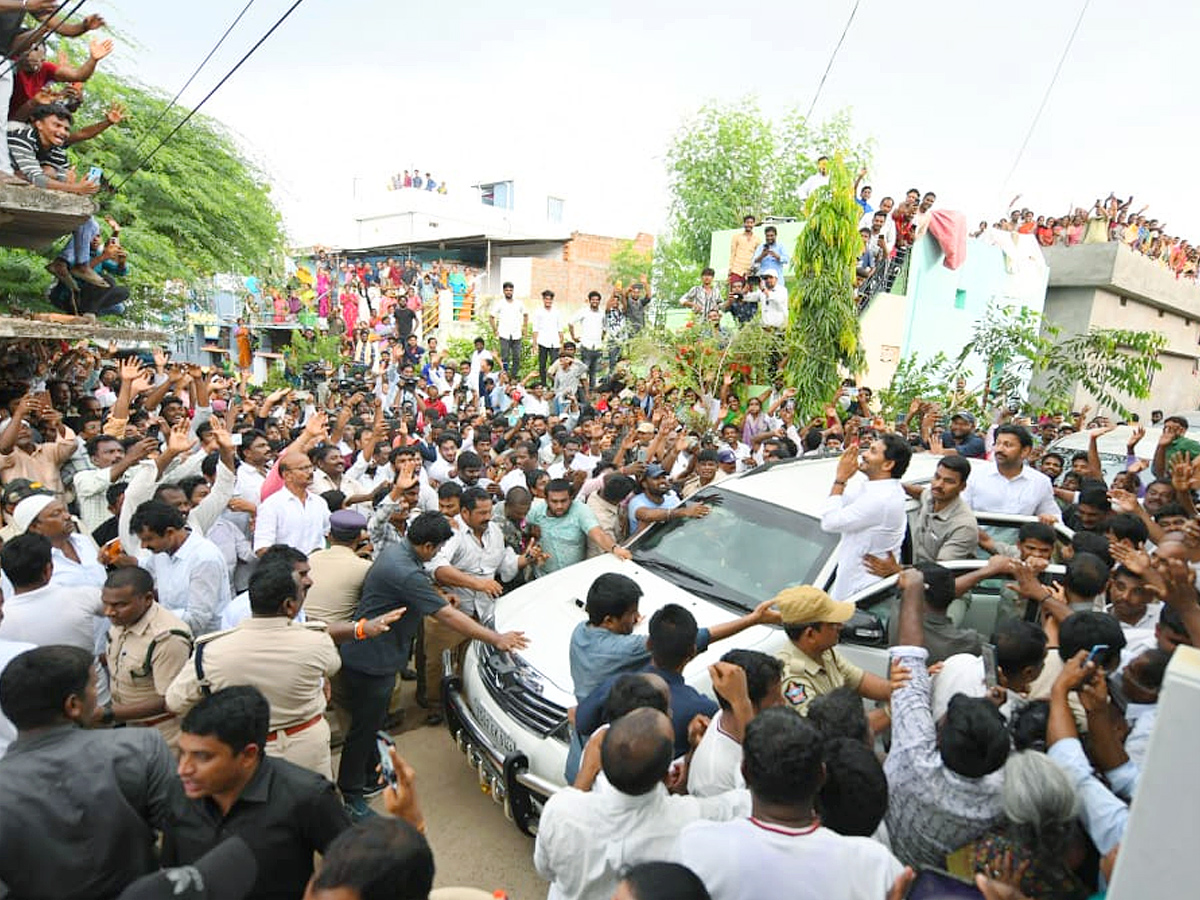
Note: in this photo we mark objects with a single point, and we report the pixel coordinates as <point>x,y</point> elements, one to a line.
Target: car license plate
<point>499,737</point>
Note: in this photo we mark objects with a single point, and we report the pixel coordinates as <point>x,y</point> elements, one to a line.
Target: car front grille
<point>514,688</point>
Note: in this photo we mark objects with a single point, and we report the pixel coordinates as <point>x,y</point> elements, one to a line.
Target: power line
<point>291,9</point>
<point>1046,97</point>
<point>832,57</point>
<point>217,46</point>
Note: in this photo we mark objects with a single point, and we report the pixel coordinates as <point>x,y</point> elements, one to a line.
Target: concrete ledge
<point>1115,267</point>
<point>34,218</point>
<point>14,327</point>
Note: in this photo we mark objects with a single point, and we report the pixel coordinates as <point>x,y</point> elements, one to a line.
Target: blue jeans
<point>78,251</point>
<point>510,355</point>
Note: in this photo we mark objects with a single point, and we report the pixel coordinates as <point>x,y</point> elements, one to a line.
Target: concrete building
<point>1110,286</point>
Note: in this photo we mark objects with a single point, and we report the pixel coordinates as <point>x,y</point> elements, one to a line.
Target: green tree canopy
<point>730,160</point>
<point>197,208</point>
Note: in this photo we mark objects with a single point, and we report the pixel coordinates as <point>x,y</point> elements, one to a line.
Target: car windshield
<point>745,551</point>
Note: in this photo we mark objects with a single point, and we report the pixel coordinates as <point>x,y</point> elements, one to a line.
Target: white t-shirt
<point>774,307</point>
<point>9,649</point>
<point>590,323</point>
<point>716,765</point>
<point>510,318</point>
<point>547,326</point>
<point>748,860</point>
<point>53,614</point>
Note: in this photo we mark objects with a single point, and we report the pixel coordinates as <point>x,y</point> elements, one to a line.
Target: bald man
<point>585,838</point>
<point>294,515</point>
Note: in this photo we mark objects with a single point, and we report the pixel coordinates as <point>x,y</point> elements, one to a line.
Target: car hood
<point>548,609</point>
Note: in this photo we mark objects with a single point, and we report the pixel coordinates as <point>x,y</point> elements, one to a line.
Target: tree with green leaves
<point>1027,360</point>
<point>823,332</point>
<point>628,264</point>
<point>730,160</point>
<point>198,207</point>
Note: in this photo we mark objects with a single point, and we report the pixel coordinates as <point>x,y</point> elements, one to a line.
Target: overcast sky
<point>589,98</point>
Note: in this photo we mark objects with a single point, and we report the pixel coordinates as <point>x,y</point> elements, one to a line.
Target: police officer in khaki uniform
<point>811,664</point>
<point>148,645</point>
<point>289,662</point>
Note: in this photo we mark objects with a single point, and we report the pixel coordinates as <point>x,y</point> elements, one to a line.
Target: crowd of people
<point>1111,220</point>
<point>414,181</point>
<point>205,586</point>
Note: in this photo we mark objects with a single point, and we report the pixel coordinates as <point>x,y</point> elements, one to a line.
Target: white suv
<point>508,711</point>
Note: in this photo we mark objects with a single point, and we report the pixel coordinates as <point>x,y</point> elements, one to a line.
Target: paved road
<point>473,844</point>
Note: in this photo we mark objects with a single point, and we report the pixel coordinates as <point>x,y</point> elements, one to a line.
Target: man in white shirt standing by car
<point>585,838</point>
<point>1007,485</point>
<point>870,519</point>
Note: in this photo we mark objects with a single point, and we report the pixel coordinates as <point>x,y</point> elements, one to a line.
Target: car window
<point>745,551</point>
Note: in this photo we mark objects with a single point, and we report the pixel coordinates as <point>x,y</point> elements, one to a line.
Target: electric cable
<point>832,57</point>
<point>1046,96</point>
<point>291,9</point>
<point>174,100</point>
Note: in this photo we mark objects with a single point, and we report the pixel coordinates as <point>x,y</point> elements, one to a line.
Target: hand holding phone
<point>385,744</point>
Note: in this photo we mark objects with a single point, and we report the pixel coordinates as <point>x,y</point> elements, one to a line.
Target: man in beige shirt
<point>288,661</point>
<point>338,572</point>
<point>148,645</point>
<point>741,252</point>
<point>606,504</point>
<point>22,457</point>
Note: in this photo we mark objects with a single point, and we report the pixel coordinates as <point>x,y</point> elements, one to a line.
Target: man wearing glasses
<point>293,515</point>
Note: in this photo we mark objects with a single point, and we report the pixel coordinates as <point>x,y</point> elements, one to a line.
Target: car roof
<point>803,484</point>
<point>1115,442</point>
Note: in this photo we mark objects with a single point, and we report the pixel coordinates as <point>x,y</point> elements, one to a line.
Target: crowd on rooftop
<point>41,99</point>
<point>1108,221</point>
<point>404,180</point>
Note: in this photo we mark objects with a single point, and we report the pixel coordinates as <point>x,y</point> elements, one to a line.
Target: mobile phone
<point>94,174</point>
<point>934,884</point>
<point>236,439</point>
<point>384,742</point>
<point>1096,650</point>
<point>988,652</point>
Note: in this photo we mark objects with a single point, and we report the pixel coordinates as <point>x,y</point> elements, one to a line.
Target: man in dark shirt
<point>397,579</point>
<point>79,807</point>
<point>962,437</point>
<point>230,787</point>
<point>943,638</point>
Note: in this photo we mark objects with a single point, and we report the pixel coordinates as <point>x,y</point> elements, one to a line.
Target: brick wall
<point>583,267</point>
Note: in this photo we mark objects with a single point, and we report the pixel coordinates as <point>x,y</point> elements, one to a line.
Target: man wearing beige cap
<point>811,666</point>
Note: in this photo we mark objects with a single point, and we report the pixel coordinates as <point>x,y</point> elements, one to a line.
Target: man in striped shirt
<point>38,156</point>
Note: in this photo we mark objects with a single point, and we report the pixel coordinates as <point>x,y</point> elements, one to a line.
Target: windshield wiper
<point>655,562</point>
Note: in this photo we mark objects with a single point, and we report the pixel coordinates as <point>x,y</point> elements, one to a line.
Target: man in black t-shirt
<point>397,579</point>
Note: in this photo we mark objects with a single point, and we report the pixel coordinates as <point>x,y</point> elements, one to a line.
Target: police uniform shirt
<point>286,660</point>
<point>337,578</point>
<point>805,678</point>
<point>145,657</point>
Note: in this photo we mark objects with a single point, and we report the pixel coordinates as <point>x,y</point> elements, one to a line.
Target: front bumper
<point>503,771</point>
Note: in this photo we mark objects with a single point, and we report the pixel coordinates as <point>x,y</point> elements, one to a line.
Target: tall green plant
<point>732,159</point>
<point>1028,361</point>
<point>823,328</point>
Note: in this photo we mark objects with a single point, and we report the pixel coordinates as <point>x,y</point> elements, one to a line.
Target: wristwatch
<point>107,717</point>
